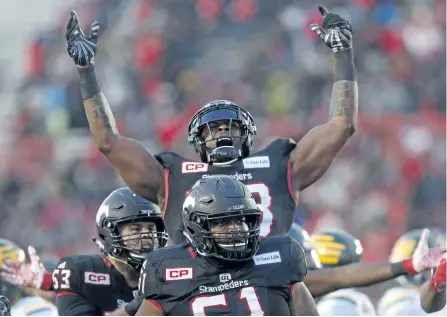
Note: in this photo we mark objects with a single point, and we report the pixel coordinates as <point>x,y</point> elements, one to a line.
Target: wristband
<point>89,83</point>
<point>344,65</point>
<point>402,268</point>
<point>47,282</point>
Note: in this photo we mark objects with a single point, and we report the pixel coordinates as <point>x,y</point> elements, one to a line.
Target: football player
<point>128,228</point>
<point>433,295</point>
<point>336,247</point>
<point>348,272</point>
<point>33,306</point>
<point>225,268</point>
<point>25,301</point>
<point>222,134</point>
<point>405,300</point>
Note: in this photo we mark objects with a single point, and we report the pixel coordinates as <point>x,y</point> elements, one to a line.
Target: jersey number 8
<point>264,203</point>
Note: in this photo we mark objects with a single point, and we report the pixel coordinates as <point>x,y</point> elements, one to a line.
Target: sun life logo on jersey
<point>256,162</point>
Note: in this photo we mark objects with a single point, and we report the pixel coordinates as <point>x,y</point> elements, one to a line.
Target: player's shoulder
<point>284,250</point>
<point>279,146</point>
<point>83,262</point>
<point>73,271</point>
<point>170,253</point>
<point>168,159</point>
<point>284,244</point>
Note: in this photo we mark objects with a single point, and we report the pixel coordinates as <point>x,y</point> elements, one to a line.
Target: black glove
<point>80,47</point>
<point>5,306</point>
<point>336,32</point>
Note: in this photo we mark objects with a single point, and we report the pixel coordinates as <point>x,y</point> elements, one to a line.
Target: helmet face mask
<point>138,237</point>
<point>221,219</point>
<point>129,227</point>
<point>203,123</point>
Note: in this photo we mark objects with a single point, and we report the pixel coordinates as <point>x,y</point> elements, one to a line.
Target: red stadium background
<point>160,60</point>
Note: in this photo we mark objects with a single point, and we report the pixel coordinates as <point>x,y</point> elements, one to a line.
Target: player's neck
<point>129,273</point>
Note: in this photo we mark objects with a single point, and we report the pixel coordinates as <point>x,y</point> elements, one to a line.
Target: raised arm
<point>315,152</point>
<point>138,168</point>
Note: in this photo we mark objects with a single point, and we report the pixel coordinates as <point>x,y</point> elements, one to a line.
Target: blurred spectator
<point>164,58</point>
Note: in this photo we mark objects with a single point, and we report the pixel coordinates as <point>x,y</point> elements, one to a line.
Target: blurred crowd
<point>159,60</point>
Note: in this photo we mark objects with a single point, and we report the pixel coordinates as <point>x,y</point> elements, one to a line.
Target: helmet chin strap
<point>224,153</point>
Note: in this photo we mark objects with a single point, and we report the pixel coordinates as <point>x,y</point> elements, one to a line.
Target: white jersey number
<point>267,216</point>
<point>246,294</point>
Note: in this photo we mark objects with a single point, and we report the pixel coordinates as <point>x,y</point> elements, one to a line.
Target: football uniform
<point>403,301</point>
<point>346,302</point>
<point>265,173</point>
<point>89,285</point>
<point>33,306</point>
<point>180,282</point>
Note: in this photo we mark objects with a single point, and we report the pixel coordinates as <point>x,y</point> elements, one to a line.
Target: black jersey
<point>89,284</point>
<point>265,173</point>
<point>181,282</point>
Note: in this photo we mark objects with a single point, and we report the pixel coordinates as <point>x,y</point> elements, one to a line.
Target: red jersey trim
<point>65,293</point>
<point>155,304</point>
<point>166,176</point>
<point>289,183</point>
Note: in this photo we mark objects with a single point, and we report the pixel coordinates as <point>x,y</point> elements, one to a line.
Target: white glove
<point>25,274</point>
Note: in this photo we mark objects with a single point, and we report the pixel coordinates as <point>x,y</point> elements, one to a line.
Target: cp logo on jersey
<point>194,167</point>
<point>180,273</point>
<point>96,278</point>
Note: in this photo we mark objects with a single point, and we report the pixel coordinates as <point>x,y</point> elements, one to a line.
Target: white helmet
<point>34,306</point>
<point>346,302</point>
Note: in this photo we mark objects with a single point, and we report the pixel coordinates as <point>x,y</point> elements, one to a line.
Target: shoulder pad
<point>281,146</point>
<point>69,273</point>
<point>168,159</point>
<point>153,282</point>
<point>286,252</point>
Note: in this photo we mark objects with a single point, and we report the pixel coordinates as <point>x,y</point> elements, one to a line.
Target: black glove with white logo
<point>5,306</point>
<point>336,32</point>
<point>81,48</point>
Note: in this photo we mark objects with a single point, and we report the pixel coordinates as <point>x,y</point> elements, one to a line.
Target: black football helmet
<point>227,148</point>
<point>300,234</point>
<point>123,207</point>
<point>217,198</point>
<point>336,247</point>
<point>405,247</point>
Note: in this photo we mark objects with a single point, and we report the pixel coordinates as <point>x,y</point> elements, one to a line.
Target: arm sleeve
<point>71,304</point>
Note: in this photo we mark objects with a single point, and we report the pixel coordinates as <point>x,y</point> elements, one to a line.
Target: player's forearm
<point>324,281</point>
<point>344,100</point>
<point>432,300</point>
<point>100,117</point>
